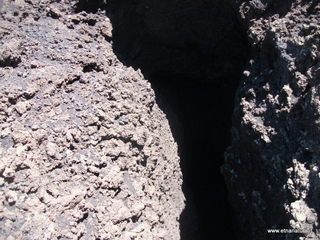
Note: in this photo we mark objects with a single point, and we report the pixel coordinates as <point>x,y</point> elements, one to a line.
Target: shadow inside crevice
<point>202,138</point>
<point>193,53</point>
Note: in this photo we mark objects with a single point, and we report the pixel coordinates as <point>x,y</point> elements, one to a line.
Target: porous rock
<point>272,165</point>
<point>85,151</point>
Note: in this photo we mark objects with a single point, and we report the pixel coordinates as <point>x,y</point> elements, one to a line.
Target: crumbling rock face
<point>272,165</point>
<point>85,152</point>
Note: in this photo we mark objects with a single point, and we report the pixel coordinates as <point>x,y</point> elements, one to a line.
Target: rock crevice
<point>115,119</point>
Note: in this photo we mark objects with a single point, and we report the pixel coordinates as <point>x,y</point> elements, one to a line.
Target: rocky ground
<point>272,166</point>
<point>85,152</point>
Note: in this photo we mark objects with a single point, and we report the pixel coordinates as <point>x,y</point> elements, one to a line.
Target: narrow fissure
<point>193,53</point>
<point>200,115</point>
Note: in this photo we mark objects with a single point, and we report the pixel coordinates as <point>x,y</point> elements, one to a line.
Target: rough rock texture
<point>272,166</point>
<point>85,152</point>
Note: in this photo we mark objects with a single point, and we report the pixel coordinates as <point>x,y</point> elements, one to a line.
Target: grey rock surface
<point>272,165</point>
<point>85,152</point>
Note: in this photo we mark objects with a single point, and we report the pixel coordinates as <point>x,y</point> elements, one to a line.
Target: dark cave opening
<point>90,6</point>
<point>202,139</point>
<point>193,52</point>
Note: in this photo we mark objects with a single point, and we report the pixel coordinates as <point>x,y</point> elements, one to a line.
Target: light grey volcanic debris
<point>85,152</point>
<point>272,165</point>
